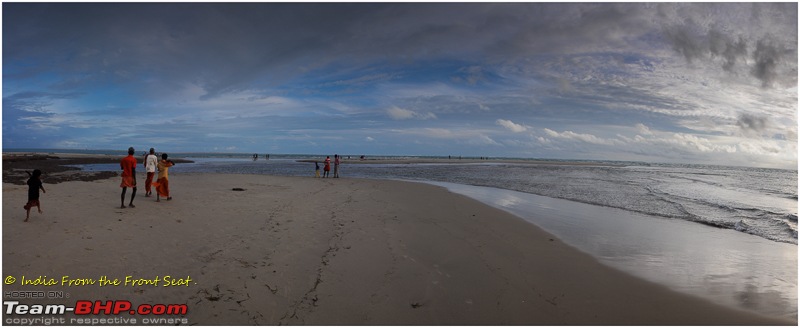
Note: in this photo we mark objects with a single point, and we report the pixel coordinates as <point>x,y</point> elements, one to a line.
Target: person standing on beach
<point>150,162</point>
<point>162,184</point>
<point>34,184</point>
<point>336,165</point>
<point>128,166</point>
<point>316,164</point>
<point>327,169</point>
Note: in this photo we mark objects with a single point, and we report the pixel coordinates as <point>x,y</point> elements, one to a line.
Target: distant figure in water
<point>255,157</point>
<point>34,184</point>
<point>317,169</point>
<point>267,156</point>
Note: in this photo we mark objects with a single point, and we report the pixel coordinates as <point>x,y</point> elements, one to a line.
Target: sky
<point>704,83</point>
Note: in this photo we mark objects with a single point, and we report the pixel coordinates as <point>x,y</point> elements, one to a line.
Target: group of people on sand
<point>128,166</point>
<point>151,162</point>
<point>327,168</point>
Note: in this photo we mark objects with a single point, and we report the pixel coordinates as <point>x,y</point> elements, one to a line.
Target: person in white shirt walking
<point>150,162</point>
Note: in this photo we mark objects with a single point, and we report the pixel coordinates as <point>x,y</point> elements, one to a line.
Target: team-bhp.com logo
<point>84,307</point>
<point>96,308</point>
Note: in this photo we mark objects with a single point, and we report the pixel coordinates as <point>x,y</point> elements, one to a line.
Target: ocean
<point>727,234</point>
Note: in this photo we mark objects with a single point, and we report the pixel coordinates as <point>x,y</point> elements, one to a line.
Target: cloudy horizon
<point>706,83</point>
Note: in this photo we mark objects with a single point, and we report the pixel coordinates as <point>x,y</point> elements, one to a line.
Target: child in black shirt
<point>34,184</point>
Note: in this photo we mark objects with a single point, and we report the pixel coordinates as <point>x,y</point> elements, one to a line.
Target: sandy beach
<point>306,251</point>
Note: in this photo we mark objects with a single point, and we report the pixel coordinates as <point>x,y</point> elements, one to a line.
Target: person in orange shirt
<point>162,184</point>
<point>327,169</point>
<point>128,166</point>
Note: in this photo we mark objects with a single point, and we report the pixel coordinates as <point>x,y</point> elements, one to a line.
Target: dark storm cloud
<point>751,123</point>
<point>768,57</point>
<point>221,47</point>
<point>759,42</point>
<point>733,51</point>
<point>228,47</point>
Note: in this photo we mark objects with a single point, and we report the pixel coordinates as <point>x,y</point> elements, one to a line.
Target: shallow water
<point>729,268</point>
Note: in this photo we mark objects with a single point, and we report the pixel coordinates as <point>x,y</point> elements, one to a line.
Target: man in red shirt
<point>128,165</point>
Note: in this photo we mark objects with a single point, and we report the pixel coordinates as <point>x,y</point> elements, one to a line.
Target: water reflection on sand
<point>724,266</point>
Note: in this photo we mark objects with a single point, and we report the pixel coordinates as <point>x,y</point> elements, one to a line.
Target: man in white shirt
<point>150,162</point>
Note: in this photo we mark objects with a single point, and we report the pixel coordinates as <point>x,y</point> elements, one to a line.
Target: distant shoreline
<point>348,158</point>
<point>462,161</point>
<point>112,155</point>
<point>58,167</point>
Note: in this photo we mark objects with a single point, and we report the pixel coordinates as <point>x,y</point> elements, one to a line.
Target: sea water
<point>722,265</point>
<point>757,201</point>
<point>728,234</point>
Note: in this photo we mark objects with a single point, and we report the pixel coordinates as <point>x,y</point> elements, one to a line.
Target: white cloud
<point>676,146</point>
<point>693,142</point>
<point>438,133</point>
<point>483,140</point>
<point>397,113</point>
<point>583,137</point>
<point>551,132</point>
<point>513,127</point>
<point>471,137</point>
<point>643,129</point>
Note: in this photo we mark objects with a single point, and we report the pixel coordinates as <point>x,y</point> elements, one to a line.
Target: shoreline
<point>411,161</point>
<point>58,167</point>
<point>296,250</point>
<point>680,255</point>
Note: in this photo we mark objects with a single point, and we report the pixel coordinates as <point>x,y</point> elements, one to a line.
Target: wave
<point>741,226</point>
